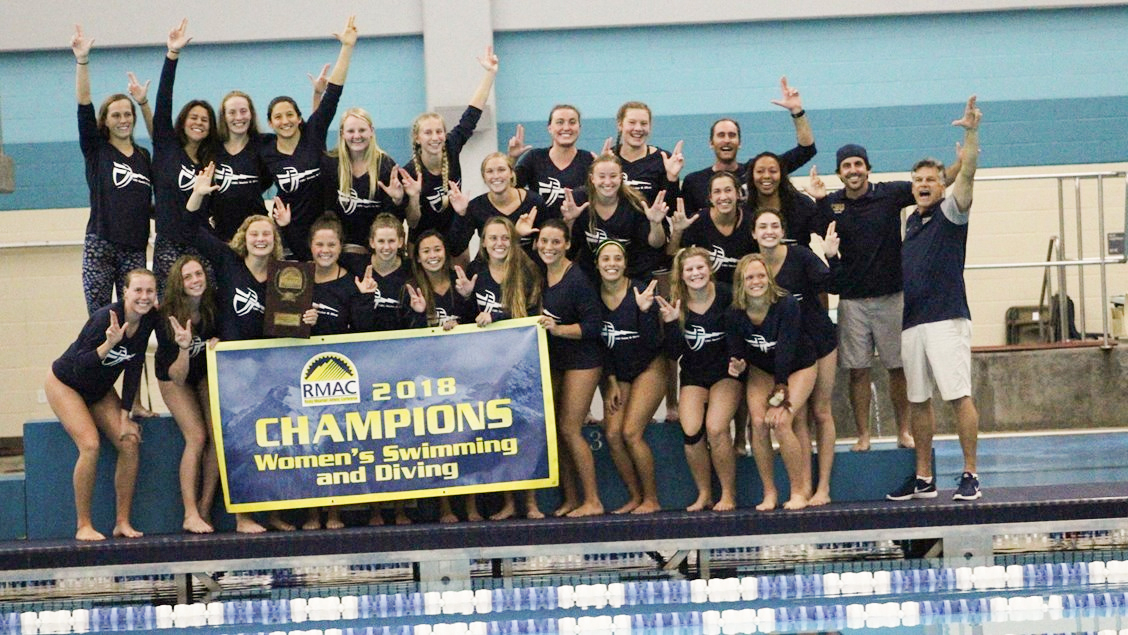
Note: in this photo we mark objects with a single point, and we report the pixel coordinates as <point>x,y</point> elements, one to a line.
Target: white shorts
<point>937,355</point>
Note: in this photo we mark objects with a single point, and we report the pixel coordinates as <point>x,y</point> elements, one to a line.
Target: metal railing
<point>1055,257</point>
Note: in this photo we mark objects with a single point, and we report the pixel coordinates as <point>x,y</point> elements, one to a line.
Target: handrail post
<point>1063,304</point>
<point>1080,304</point>
<point>1103,250</point>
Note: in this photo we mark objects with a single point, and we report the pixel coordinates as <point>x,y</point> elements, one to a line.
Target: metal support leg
<point>444,575</point>
<point>703,564</point>
<point>969,549</point>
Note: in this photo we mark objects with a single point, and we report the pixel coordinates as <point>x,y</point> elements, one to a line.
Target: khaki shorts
<point>869,324</point>
<point>937,355</point>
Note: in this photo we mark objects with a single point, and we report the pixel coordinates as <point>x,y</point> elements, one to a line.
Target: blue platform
<point>49,457</point>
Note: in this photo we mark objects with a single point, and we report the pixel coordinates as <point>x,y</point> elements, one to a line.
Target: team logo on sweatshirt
<point>123,175</point>
<point>760,343</point>
<point>117,355</point>
<point>697,337</point>
<point>551,191</point>
<point>225,177</point>
<point>290,178</point>
<point>329,378</point>
<point>612,335</point>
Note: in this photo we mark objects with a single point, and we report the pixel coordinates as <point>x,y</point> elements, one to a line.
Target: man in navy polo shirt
<point>936,336</point>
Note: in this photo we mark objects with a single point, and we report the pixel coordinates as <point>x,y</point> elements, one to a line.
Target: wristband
<point>82,63</point>
<point>143,103</point>
<point>797,115</point>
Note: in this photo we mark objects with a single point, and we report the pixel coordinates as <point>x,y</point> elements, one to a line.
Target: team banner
<point>383,416</point>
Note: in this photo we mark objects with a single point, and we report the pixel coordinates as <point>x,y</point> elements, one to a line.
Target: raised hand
<point>280,213</point>
<point>517,145</point>
<point>668,312</point>
<point>736,366</point>
<point>321,82</point>
<point>347,37</point>
<point>394,188</point>
<point>411,186</point>
<point>656,213</point>
<point>418,302</point>
<point>645,298</point>
<point>137,90</point>
<point>971,116</point>
<point>115,332</point>
<point>81,45</point>
<point>203,184</point>
<point>458,199</point>
<point>489,61</point>
<point>679,222</point>
<point>674,162</point>
<point>815,186</point>
<point>831,241</point>
<point>463,285</point>
<point>789,97</point>
<point>182,335</point>
<point>568,209</point>
<point>367,284</point>
<point>524,224</point>
<point>178,37</point>
<point>608,145</point>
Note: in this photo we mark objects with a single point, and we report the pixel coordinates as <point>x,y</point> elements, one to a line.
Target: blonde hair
<point>417,154</point>
<point>508,161</point>
<point>522,285</point>
<point>739,296</point>
<point>239,240</point>
<point>679,292</point>
<point>373,155</point>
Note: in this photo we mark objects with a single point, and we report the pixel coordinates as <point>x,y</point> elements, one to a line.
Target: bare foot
<point>448,517</point>
<point>820,498</point>
<point>402,519</point>
<point>534,513</point>
<point>89,534</point>
<point>702,502</point>
<point>861,445</point>
<point>796,502</point>
<point>334,521</point>
<point>244,524</point>
<point>647,507</point>
<point>628,507</point>
<point>376,520</point>
<point>125,530</point>
<point>197,525</point>
<point>587,509</point>
<point>565,509</point>
<point>473,516</point>
<point>506,512</point>
<point>724,505</point>
<point>769,503</point>
<point>312,524</point>
<point>905,441</point>
<point>275,521</point>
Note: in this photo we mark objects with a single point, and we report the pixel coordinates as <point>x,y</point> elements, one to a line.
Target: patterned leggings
<point>104,265</point>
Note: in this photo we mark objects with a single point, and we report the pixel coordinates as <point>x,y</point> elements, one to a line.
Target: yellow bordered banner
<point>383,416</point>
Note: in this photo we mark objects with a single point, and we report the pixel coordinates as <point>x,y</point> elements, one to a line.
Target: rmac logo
<point>329,378</point>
